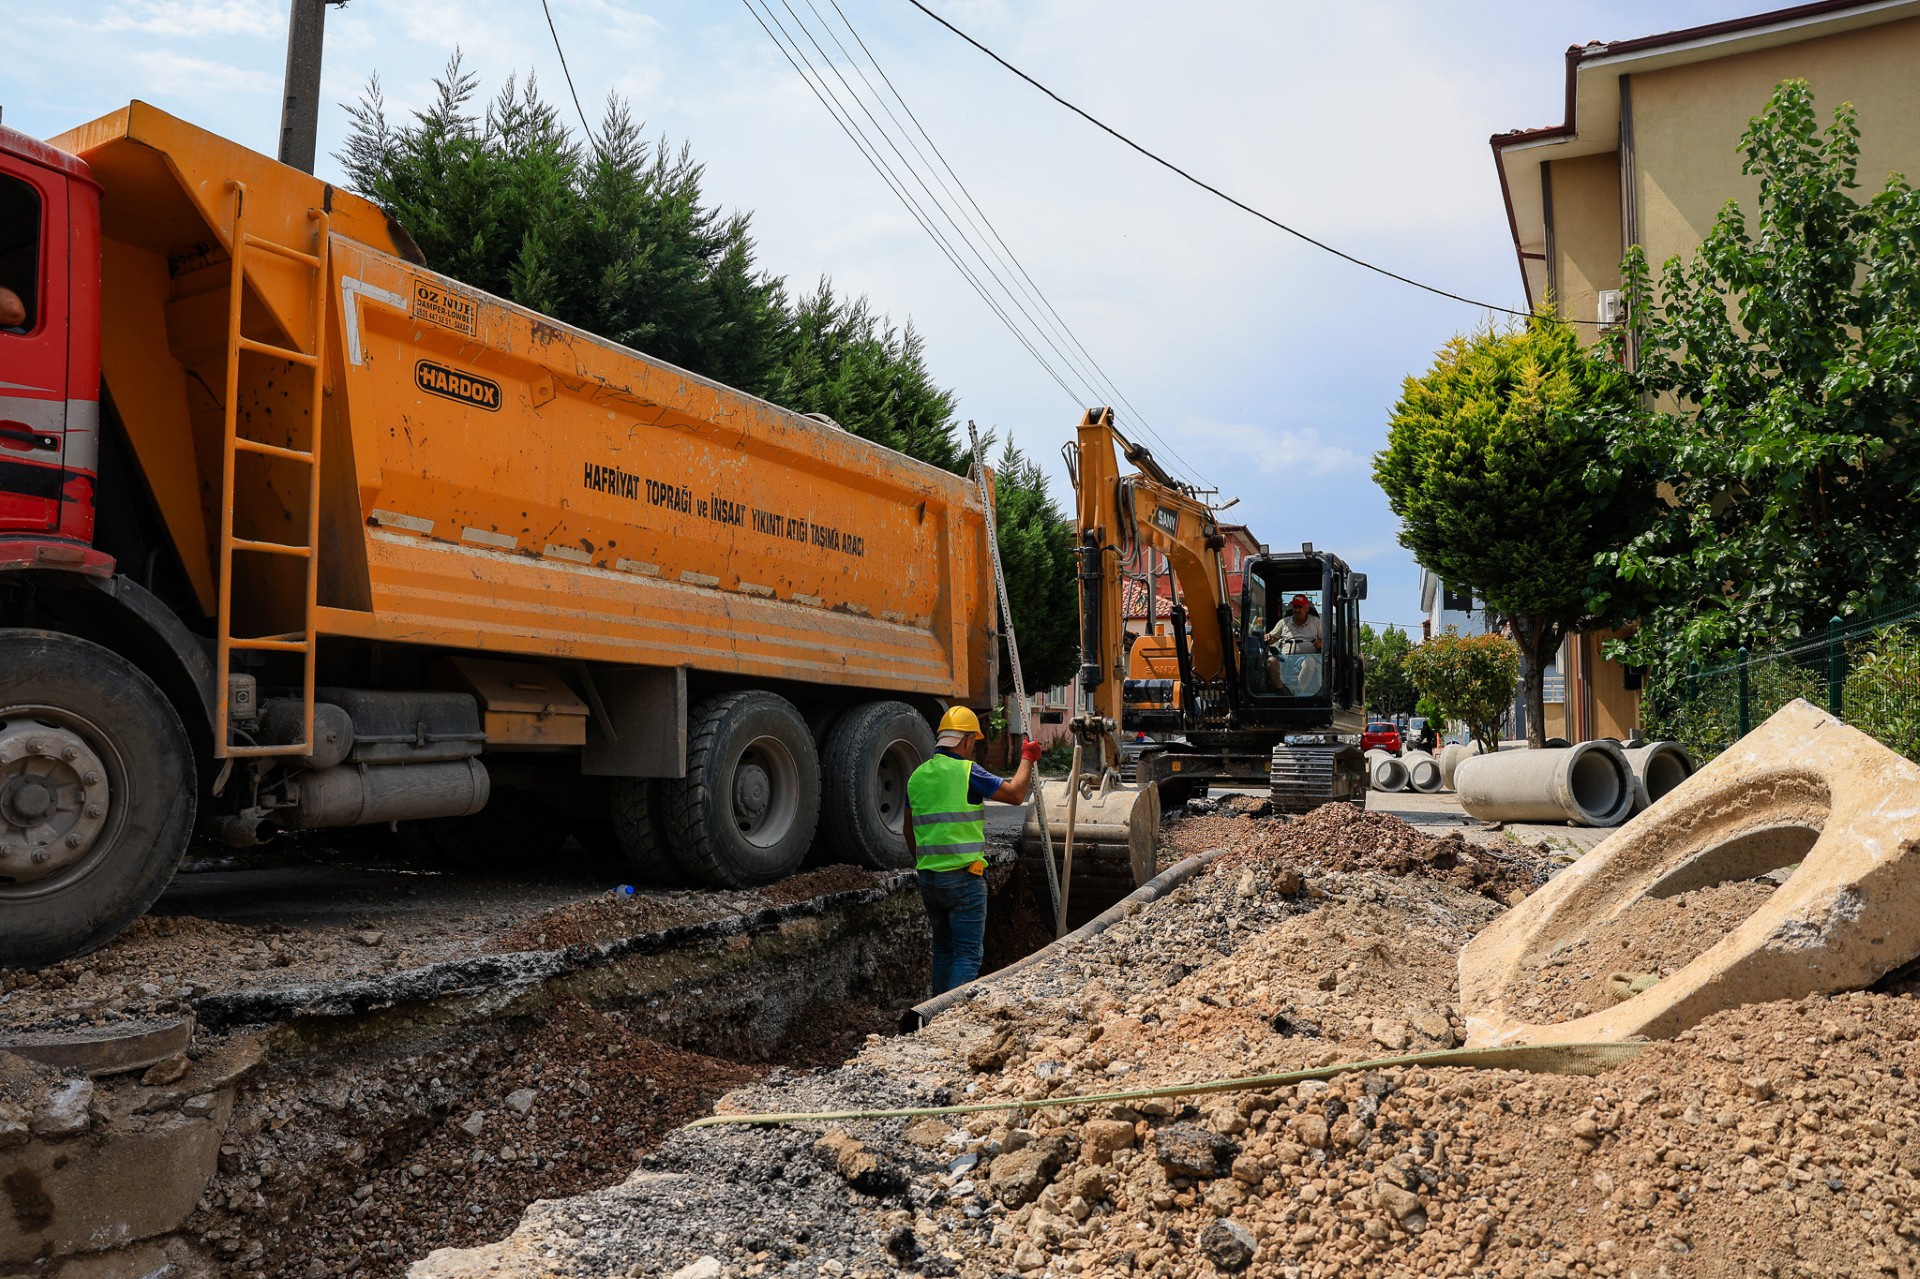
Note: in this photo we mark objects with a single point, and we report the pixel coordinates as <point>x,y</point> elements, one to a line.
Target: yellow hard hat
<point>959,719</point>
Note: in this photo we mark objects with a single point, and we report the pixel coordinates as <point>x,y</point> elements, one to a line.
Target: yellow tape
<point>1546,1059</point>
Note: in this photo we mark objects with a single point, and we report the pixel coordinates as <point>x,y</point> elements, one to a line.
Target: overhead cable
<point>1216,191</point>
<point>921,182</point>
<point>571,92</point>
<point>1005,252</point>
<point>848,107</point>
<point>795,57</point>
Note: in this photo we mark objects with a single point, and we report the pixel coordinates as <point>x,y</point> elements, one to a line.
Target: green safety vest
<point>948,832</point>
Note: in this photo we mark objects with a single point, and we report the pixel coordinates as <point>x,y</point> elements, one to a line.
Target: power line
<point>900,193</point>
<point>915,175</point>
<point>964,233</point>
<point>823,90</point>
<point>568,74</point>
<point>1216,191</point>
<point>1007,254</point>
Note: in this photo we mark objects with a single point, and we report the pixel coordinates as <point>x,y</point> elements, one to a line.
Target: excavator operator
<point>947,831</point>
<point>1300,638</point>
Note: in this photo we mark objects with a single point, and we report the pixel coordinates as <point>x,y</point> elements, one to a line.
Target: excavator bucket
<point>1116,835</point>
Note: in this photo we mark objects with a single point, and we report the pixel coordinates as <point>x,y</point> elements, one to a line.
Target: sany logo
<point>1167,518</point>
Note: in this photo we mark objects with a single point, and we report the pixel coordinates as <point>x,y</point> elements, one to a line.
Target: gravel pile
<point>1655,938</point>
<point>1779,1140</point>
<point>1343,838</point>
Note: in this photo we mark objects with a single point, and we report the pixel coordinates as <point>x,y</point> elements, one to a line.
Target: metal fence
<point>1866,672</point>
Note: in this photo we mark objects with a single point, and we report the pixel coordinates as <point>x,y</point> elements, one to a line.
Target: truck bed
<point>495,480</point>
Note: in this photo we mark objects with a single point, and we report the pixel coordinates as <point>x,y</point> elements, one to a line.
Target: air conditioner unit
<point>1613,306</point>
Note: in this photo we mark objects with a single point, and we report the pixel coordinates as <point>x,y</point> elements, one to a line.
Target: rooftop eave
<point>1592,124</point>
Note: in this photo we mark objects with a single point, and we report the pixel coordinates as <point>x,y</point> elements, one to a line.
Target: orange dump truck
<point>295,533</point>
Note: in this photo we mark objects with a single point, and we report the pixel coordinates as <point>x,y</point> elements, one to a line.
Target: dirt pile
<point>1340,837</point>
<point>1654,938</point>
<point>1776,1140</point>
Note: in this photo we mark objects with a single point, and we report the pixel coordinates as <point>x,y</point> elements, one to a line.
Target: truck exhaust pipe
<point>365,794</point>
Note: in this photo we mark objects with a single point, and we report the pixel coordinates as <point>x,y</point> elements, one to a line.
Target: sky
<point>1247,360</point>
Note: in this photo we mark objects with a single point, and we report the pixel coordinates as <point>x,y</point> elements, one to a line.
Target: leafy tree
<point>1787,357</point>
<point>1881,696</point>
<point>1491,466</point>
<point>614,239</point>
<point>1036,550</point>
<point>1389,690</point>
<point>1469,677</point>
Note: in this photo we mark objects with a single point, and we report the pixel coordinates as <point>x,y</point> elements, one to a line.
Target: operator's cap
<point>956,724</point>
<point>1300,599</point>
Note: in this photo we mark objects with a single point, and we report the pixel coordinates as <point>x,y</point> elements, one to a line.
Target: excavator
<point>1225,707</point>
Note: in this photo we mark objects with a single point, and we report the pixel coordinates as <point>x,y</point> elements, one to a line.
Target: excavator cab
<point>1299,642</point>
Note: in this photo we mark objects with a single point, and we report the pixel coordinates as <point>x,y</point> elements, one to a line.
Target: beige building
<point>1648,154</point>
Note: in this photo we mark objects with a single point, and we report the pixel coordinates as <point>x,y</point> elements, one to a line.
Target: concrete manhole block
<point>103,1050</point>
<point>1802,788</point>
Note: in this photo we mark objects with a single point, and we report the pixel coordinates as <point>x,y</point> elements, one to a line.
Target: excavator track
<point>1303,777</point>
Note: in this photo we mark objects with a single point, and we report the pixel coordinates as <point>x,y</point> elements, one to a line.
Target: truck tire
<point>868,756</point>
<point>640,834</point>
<point>97,795</point>
<point>746,810</point>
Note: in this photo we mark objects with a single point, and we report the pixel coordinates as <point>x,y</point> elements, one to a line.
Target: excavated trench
<point>348,1128</point>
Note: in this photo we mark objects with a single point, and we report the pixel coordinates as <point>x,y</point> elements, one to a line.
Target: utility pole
<point>300,114</point>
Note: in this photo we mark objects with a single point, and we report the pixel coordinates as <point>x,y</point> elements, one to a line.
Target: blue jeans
<point>956,903</point>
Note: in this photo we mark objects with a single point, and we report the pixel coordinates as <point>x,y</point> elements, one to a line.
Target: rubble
<point>1774,1140</point>
<point>1338,837</point>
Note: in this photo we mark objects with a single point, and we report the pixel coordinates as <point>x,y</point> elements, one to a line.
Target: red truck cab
<point>50,363</point>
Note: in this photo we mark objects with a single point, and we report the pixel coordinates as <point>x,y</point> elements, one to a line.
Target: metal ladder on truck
<point>243,244</point>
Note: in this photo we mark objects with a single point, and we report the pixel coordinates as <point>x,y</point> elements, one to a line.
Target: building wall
<point>1586,234</point>
<point>1687,122</point>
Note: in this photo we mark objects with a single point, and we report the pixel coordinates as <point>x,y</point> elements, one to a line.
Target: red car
<point>1380,735</point>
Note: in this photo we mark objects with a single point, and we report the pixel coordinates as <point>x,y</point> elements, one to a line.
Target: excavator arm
<point>1116,516</point>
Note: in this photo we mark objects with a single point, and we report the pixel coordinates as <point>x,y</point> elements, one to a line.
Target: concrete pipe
<point>1801,789</point>
<point>1423,771</point>
<point>1587,785</point>
<point>1657,767</point>
<point>1385,771</point>
<point>1451,756</point>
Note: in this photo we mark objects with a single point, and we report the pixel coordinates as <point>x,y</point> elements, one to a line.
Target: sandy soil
<point>1776,1140</point>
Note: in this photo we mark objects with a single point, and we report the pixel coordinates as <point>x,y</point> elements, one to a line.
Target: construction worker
<point>947,831</point>
<point>1300,637</point>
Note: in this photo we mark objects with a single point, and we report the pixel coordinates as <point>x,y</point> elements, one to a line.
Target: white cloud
<point>159,72</point>
<point>1234,452</point>
<point>194,18</point>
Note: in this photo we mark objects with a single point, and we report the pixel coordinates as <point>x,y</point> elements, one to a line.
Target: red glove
<point>1030,751</point>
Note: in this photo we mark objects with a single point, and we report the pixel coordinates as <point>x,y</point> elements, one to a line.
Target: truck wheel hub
<point>752,793</point>
<point>53,798</point>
